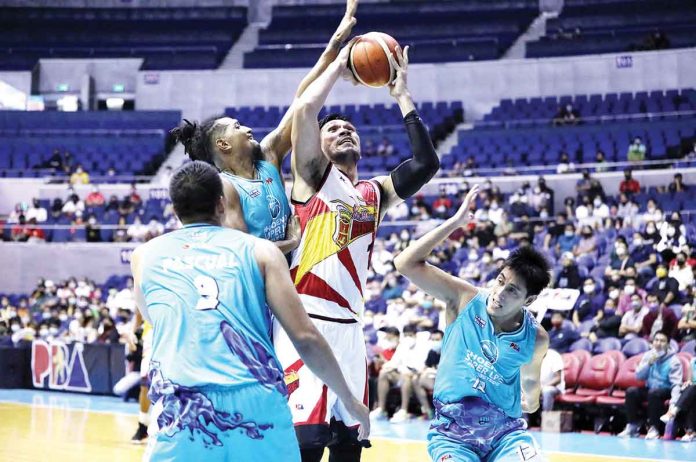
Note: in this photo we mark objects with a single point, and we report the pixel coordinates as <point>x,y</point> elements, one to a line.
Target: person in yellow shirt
<point>79,176</point>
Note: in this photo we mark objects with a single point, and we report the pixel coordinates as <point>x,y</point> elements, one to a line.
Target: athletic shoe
<point>688,438</point>
<point>140,436</point>
<point>629,432</point>
<point>653,434</point>
<point>399,417</point>
<point>378,414</point>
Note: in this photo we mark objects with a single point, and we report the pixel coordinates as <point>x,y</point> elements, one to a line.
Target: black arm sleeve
<point>413,173</point>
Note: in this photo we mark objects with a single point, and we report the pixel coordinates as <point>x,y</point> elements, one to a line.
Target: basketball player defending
<point>491,353</point>
<point>216,385</point>
<point>255,196</point>
<point>339,216</point>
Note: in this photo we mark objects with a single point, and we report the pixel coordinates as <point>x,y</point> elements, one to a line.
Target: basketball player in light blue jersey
<point>491,352</point>
<point>217,388</point>
<point>255,199</point>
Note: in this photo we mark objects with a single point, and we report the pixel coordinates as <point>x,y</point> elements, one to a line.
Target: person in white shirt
<point>408,361</point>
<point>37,212</point>
<point>398,212</point>
<point>137,232</point>
<point>682,271</point>
<point>552,378</point>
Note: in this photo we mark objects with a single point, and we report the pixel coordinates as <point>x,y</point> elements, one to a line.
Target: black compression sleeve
<point>413,173</point>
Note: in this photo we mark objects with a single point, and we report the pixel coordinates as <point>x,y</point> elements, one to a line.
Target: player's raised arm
<point>530,373</point>
<point>407,178</point>
<point>308,160</point>
<point>276,145</point>
<point>455,292</point>
<point>283,300</point>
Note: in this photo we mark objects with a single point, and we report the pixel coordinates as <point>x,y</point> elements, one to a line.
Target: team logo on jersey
<point>515,346</point>
<point>480,321</point>
<point>273,206</point>
<point>254,193</point>
<point>490,351</point>
<point>352,221</point>
<point>291,376</point>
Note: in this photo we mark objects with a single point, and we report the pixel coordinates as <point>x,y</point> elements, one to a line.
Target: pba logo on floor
<point>58,366</point>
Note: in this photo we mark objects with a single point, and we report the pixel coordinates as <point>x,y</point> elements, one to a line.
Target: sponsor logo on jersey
<point>515,346</point>
<point>445,457</point>
<point>480,321</point>
<point>490,351</point>
<point>352,221</point>
<point>254,193</point>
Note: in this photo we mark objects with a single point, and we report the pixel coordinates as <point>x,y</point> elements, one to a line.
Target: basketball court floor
<point>67,427</point>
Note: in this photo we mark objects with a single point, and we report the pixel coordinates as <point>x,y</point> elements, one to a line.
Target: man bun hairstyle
<point>530,265</point>
<point>197,139</point>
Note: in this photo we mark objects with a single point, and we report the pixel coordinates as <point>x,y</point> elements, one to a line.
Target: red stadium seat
<point>626,377</point>
<point>583,356</point>
<point>596,379</point>
<point>572,365</point>
<point>618,356</point>
<point>685,359</point>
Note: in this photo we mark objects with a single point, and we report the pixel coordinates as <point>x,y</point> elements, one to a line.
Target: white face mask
<point>597,202</point>
<point>569,233</point>
<point>589,289</point>
<point>43,332</point>
<point>671,231</point>
<point>637,242</point>
<point>436,345</point>
<point>486,259</point>
<point>387,344</point>
<point>614,293</point>
<point>53,330</point>
<point>14,327</point>
<point>630,290</point>
<point>408,342</point>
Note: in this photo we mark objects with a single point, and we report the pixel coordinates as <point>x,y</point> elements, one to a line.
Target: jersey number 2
<point>208,290</point>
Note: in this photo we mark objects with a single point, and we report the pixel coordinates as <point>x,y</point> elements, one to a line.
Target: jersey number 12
<point>208,290</point>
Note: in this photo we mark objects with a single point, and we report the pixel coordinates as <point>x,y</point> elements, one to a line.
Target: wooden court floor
<point>31,432</point>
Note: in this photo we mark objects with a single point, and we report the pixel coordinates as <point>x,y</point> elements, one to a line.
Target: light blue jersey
<point>216,383</point>
<point>476,362</point>
<point>264,203</point>
<point>477,396</point>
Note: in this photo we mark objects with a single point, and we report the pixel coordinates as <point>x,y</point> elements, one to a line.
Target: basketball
<point>368,59</point>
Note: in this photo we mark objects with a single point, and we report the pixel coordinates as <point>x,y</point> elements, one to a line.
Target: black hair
<point>333,116</point>
<point>663,332</point>
<point>390,331</point>
<point>437,331</point>
<point>195,189</point>
<point>530,265</point>
<point>197,139</point>
<point>409,329</point>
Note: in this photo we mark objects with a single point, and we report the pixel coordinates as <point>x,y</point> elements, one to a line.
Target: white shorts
<point>147,354</point>
<point>310,400</point>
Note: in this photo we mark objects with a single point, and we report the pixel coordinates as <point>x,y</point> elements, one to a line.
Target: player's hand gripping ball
<point>369,62</point>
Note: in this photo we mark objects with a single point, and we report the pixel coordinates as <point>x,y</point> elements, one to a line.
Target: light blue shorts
<point>474,430</point>
<point>251,423</point>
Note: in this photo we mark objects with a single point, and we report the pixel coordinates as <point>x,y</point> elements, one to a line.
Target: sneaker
<point>688,438</point>
<point>653,434</point>
<point>140,436</point>
<point>629,432</point>
<point>378,414</point>
<point>399,417</point>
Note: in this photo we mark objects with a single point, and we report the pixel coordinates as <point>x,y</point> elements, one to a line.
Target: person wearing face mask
<point>680,270</point>
<point>660,318</point>
<point>662,372</point>
<point>686,328</point>
<point>588,242</point>
<point>407,362</point>
<point>424,382</point>
<point>672,237</point>
<point>666,288</point>
<point>620,258</point>
<point>630,288</point>
<point>562,334</point>
<point>632,320</point>
<point>568,241</point>
<point>589,304</point>
<point>600,210</point>
<point>608,324</point>
<point>652,213</point>
<point>629,185</point>
<point>627,209</point>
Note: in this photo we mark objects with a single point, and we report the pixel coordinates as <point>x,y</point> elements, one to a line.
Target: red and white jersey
<point>339,224</point>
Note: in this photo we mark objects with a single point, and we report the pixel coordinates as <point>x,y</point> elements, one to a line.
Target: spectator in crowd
<point>630,287</point>
<point>93,230</point>
<point>36,234</point>
<point>36,211</point>
<point>600,160</point>
<point>564,164</point>
<point>20,231</point>
<point>686,328</point>
<point>652,213</point>
<point>672,237</point>
<point>408,361</point>
<point>666,288</point>
<point>111,175</point>
<point>685,406</point>
<point>636,151</point>
<point>629,185</point>
<point>442,204</point>
<point>137,232</point>
<point>657,40</point>
<point>94,198</point>
<point>67,162</point>
<point>568,241</point>
<point>569,275</point>
<point>620,258</point>
<point>555,229</point>
<point>590,303</point>
<point>470,167</point>
<point>126,206</point>
<point>680,270</point>
<point>632,320</point>
<point>134,196</point>
<point>113,204</point>
<point>678,184</point>
<point>662,371</point>
<point>566,115</point>
<point>73,205</point>
<point>588,242</point>
<point>19,209</point>
<point>627,209</point>
<point>398,212</point>
<point>55,161</point>
<point>79,176</point>
<point>562,334</point>
<point>121,231</point>
<point>391,287</point>
<point>583,186</point>
<point>424,382</point>
<point>659,318</point>
<point>385,148</point>
<point>154,229</point>
<point>552,379</point>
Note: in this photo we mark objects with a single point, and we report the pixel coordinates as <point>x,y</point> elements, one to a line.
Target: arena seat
<point>635,346</point>
<point>596,379</point>
<point>572,365</point>
<point>626,377</point>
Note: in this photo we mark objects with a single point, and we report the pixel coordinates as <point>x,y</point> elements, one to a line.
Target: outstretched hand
<point>399,86</point>
<point>464,215</point>
<point>347,23</point>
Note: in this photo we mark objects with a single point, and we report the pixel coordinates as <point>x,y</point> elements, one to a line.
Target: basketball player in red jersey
<point>339,216</point>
